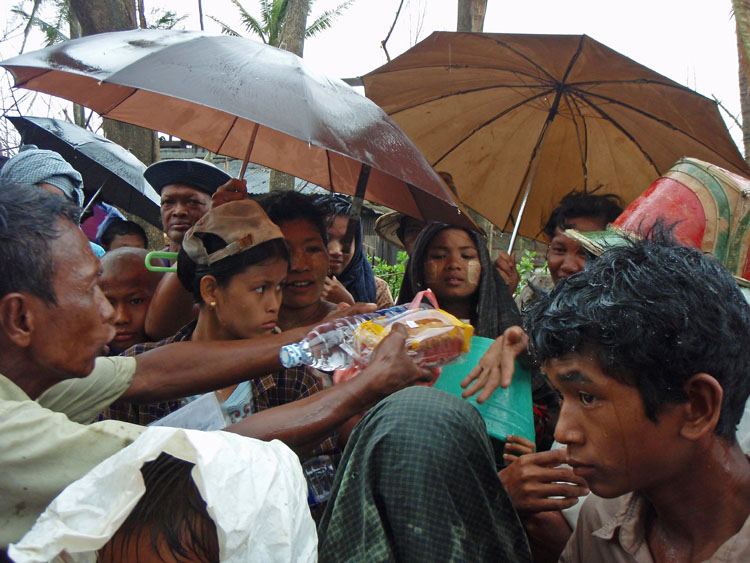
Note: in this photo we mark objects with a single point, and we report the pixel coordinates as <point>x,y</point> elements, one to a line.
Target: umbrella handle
<point>160,254</point>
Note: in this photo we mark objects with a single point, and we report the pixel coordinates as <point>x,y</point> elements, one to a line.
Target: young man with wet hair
<point>647,347</point>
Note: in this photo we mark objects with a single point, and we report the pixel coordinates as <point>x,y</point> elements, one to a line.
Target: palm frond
<point>51,31</point>
<point>276,21</point>
<point>225,29</point>
<point>325,20</point>
<point>251,24</point>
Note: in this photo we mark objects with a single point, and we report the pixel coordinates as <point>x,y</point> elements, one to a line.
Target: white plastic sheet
<point>255,492</point>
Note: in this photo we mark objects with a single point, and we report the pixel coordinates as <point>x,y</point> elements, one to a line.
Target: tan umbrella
<point>509,115</point>
<point>241,98</point>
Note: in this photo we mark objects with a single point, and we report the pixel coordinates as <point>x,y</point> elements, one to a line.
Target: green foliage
<point>272,15</point>
<point>164,19</point>
<point>527,268</point>
<point>52,30</point>
<point>393,274</point>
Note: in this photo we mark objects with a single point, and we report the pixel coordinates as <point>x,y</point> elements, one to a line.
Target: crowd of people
<point>639,376</point>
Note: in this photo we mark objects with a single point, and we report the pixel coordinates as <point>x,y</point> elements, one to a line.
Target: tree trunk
<point>292,39</point>
<point>99,16</point>
<point>471,15</point>
<point>742,23</point>
<point>293,29</point>
<point>79,117</point>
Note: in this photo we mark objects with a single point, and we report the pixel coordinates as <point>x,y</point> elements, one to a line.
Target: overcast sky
<point>690,41</point>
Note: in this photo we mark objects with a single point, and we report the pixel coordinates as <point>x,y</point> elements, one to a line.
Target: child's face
<point>451,265</point>
<point>308,264</point>
<point>612,444</point>
<point>248,306</point>
<point>339,256</point>
<point>130,295</point>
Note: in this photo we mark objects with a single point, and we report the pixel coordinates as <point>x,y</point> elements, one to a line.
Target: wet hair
<point>29,220</point>
<point>189,273</point>
<point>653,314</point>
<point>493,306</point>
<point>120,228</point>
<point>605,207</point>
<point>290,206</point>
<point>171,514</point>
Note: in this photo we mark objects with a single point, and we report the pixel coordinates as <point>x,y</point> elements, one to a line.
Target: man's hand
<point>335,292</point>
<point>506,266</point>
<point>391,368</point>
<point>533,479</point>
<point>495,368</point>
<point>233,190</point>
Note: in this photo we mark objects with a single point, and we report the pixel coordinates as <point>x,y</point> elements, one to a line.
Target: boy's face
<point>612,444</point>
<point>308,264</point>
<point>130,294</point>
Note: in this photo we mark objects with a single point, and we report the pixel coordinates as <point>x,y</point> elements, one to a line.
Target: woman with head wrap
<point>455,263</point>
<point>348,267</point>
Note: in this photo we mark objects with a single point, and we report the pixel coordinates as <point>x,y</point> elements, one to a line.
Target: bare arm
<point>188,368</point>
<point>310,420</point>
<point>171,308</point>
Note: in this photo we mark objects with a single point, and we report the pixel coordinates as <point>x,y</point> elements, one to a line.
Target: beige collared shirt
<point>42,449</point>
<point>613,530</point>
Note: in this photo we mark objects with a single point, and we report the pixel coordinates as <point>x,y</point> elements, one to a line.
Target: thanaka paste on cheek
<point>430,272</point>
<point>474,271</point>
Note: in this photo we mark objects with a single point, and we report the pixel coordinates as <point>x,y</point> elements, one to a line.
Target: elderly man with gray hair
<point>49,171</point>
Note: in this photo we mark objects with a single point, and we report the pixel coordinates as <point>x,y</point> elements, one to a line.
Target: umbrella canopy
<point>241,98</point>
<point>482,106</point>
<point>103,164</point>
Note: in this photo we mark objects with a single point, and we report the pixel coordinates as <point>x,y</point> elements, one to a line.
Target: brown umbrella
<point>242,98</point>
<point>540,115</point>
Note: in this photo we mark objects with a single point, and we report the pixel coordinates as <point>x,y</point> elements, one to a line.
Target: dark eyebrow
<point>574,376</point>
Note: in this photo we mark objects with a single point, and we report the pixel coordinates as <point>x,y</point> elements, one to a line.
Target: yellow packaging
<point>435,337</point>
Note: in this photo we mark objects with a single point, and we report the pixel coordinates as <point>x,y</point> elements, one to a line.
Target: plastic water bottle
<point>320,472</point>
<point>322,349</point>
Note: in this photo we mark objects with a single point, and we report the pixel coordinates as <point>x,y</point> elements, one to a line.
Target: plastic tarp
<point>255,492</point>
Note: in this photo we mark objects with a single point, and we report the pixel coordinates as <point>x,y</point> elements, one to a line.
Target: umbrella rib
<point>530,60</point>
<point>551,114</point>
<point>330,172</point>
<point>488,122</point>
<point>471,91</point>
<point>585,96</point>
<point>224,140</point>
<point>571,102</point>
<point>614,122</point>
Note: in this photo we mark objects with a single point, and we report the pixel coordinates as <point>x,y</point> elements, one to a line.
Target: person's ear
<point>209,287</point>
<point>17,319</point>
<point>703,406</point>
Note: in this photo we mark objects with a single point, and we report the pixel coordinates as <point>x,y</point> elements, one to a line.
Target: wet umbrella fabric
<point>241,98</point>
<point>481,106</point>
<point>102,163</point>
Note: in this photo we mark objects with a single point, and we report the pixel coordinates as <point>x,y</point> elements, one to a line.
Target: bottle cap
<point>291,355</point>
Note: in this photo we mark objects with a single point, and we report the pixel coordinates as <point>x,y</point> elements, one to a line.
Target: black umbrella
<point>107,168</point>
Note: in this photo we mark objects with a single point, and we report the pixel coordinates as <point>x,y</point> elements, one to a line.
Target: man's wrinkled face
<point>181,207</point>
<point>70,334</point>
